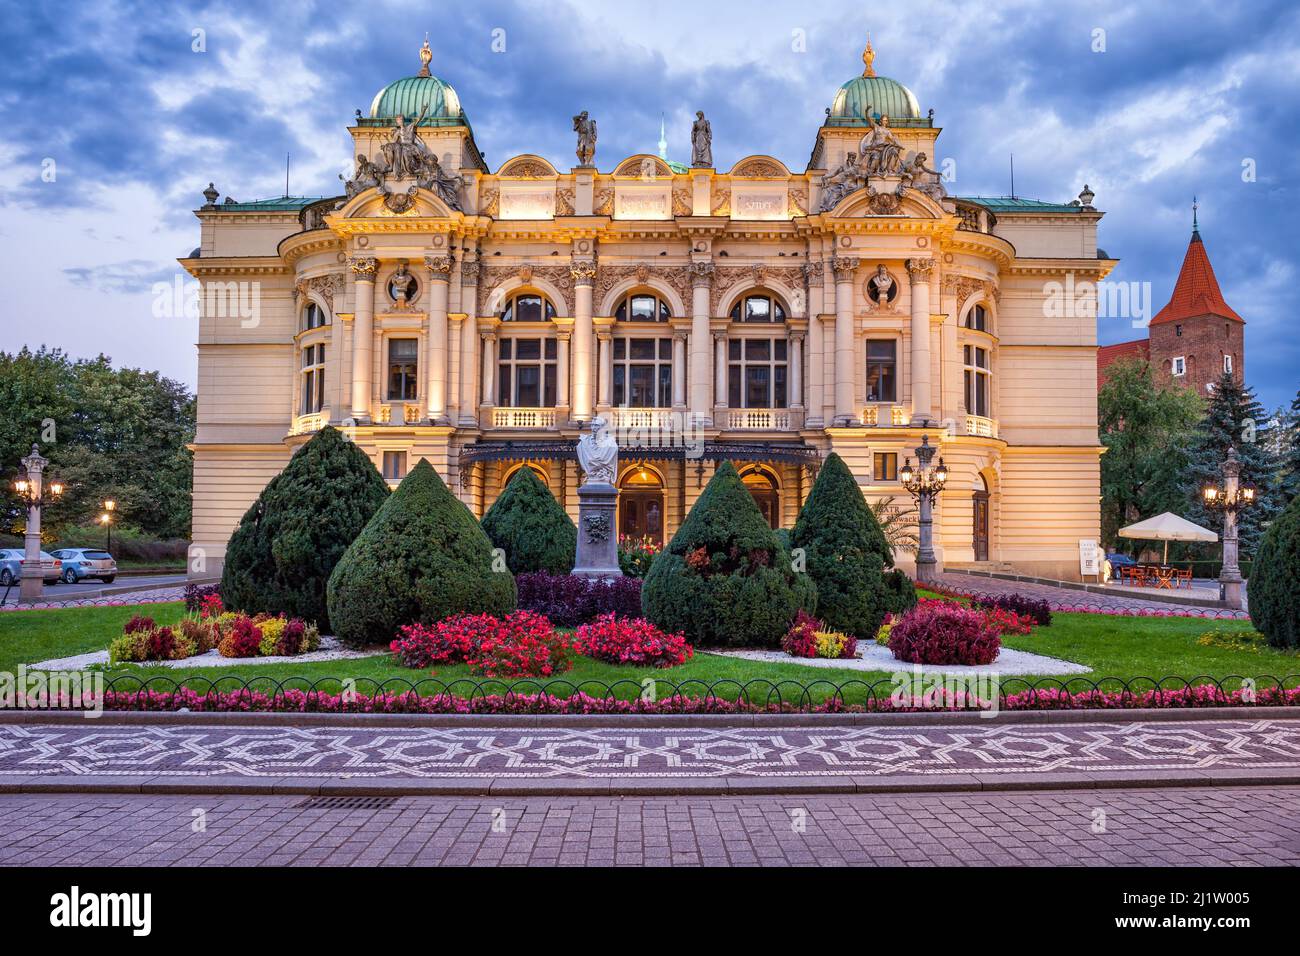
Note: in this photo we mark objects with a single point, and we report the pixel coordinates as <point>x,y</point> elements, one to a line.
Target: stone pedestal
<point>597,531</point>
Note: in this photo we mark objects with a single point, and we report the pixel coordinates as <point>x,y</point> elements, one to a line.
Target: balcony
<point>523,417</point>
<point>758,419</point>
<point>660,419</point>
<point>399,413</point>
<point>983,427</point>
<point>306,424</point>
<point>879,415</point>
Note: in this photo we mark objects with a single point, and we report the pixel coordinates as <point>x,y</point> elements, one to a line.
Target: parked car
<point>81,563</point>
<point>11,567</point>
<point>1118,560</point>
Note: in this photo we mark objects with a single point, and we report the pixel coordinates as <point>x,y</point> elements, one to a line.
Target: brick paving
<point>1254,826</point>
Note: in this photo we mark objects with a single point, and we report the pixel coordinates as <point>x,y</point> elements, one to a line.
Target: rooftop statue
<point>585,127</point>
<point>701,141</point>
<point>880,149</point>
<point>405,153</point>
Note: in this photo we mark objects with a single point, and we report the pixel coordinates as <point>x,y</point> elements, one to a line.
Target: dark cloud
<point>133,275</point>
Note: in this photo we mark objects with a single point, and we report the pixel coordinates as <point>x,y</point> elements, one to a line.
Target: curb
<point>645,721</point>
<point>487,786</point>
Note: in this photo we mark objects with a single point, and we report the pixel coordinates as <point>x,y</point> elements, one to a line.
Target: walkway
<point>1070,599</point>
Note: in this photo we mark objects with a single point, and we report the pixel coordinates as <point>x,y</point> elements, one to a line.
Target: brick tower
<point>1197,336</point>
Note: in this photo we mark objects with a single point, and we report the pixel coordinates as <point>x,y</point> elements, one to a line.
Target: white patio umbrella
<point>1167,527</point>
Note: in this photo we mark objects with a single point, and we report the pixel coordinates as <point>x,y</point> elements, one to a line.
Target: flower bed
<point>522,644</point>
<point>633,641</point>
<point>635,555</point>
<point>941,632</point>
<point>230,634</point>
<point>299,701</point>
<point>809,637</point>
<point>1039,612</point>
<point>568,600</point>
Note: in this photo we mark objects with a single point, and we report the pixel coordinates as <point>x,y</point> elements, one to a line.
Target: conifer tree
<point>531,527</point>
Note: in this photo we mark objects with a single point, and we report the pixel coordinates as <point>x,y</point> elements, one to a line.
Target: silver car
<point>79,563</point>
<point>11,567</point>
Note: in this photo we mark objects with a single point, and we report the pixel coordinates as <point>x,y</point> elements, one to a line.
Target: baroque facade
<point>440,310</point>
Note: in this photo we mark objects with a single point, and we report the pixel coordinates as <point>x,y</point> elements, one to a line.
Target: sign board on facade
<point>643,200</point>
<point>759,202</point>
<point>527,201</point>
<point>1089,558</point>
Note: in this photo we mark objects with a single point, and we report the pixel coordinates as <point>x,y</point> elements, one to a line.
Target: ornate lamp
<point>35,493</point>
<point>924,483</point>
<point>1230,498</point>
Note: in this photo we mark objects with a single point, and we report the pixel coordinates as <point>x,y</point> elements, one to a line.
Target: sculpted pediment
<point>883,198</point>
<point>411,201</point>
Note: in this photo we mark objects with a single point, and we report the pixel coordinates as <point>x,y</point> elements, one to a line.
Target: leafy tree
<point>724,579</point>
<point>531,527</point>
<point>1287,447</point>
<point>899,526</point>
<point>1146,429</point>
<point>845,551</point>
<point>1233,419</point>
<point>1274,595</point>
<point>423,558</point>
<point>108,433</point>
<point>282,554</point>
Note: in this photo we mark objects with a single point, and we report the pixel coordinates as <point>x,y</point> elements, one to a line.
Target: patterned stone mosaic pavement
<point>577,753</point>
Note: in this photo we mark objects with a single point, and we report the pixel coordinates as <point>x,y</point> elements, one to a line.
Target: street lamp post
<point>924,484</point>
<point>1232,497</point>
<point>32,490</point>
<point>106,519</point>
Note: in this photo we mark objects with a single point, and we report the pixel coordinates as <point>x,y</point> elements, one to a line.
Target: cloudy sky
<point>116,115</point>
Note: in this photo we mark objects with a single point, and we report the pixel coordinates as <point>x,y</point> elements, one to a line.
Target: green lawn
<point>1122,647</point>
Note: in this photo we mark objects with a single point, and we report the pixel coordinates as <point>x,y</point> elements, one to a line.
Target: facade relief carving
<point>759,168</point>
<point>492,277</point>
<point>721,201</point>
<point>326,287</point>
<point>682,201</point>
<point>602,201</point>
<point>760,274</point>
<point>489,201</point>
<point>564,202</point>
<point>364,267</point>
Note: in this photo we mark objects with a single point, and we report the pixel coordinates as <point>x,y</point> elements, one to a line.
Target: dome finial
<point>426,55</point>
<point>868,58</point>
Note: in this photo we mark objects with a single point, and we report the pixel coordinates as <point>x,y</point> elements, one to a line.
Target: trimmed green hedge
<point>530,526</point>
<point>845,551</point>
<point>280,558</point>
<point>1274,594</point>
<point>422,557</point>
<point>724,579</point>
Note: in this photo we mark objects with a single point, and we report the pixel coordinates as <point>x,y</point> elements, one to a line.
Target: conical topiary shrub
<point>724,579</point>
<point>841,539</point>
<point>528,524</point>
<point>1275,580</point>
<point>422,557</point>
<point>282,554</point>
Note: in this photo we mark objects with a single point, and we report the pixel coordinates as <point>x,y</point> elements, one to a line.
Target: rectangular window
<point>976,360</point>
<point>394,465</point>
<point>643,372</point>
<point>402,368</point>
<point>757,373</point>
<point>313,379</point>
<point>1180,366</point>
<point>526,376</point>
<point>1178,331</point>
<point>882,366</point>
<point>1227,364</point>
<point>885,466</point>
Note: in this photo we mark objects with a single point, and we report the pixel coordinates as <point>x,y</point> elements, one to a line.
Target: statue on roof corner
<point>880,150</point>
<point>405,152</point>
<point>701,141</point>
<point>585,127</point>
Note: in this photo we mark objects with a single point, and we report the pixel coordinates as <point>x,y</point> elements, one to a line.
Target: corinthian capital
<point>919,269</point>
<point>439,266</point>
<point>583,271</point>
<point>843,267</point>
<point>701,274</point>
<point>813,273</point>
<point>364,267</point>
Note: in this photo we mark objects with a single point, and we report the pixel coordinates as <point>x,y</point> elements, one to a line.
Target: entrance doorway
<point>763,489</point>
<point>641,505</point>
<point>981,522</point>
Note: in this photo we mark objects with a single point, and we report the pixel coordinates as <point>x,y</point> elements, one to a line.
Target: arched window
<point>313,317</point>
<point>535,469</point>
<point>758,307</point>
<point>528,307</point>
<point>977,319</point>
<point>763,489</point>
<point>643,307</point>
<point>641,505</point>
<point>978,375</point>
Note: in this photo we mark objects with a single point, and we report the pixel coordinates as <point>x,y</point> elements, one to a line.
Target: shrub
<point>200,632</point>
<point>244,639</point>
<point>1275,580</point>
<point>723,579</point>
<point>633,641</point>
<point>635,556</point>
<point>801,639</point>
<point>280,558</point>
<point>1233,639</point>
<point>1007,622</point>
<point>569,600</point>
<point>939,632</point>
<point>196,594</point>
<point>423,558</point>
<point>836,645</point>
<point>523,644</point>
<point>900,592</point>
<point>843,544</point>
<point>150,644</point>
<point>882,635</point>
<point>1037,609</point>
<point>531,527</point>
<point>138,622</point>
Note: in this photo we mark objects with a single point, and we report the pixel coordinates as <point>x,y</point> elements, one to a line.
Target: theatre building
<point>479,317</point>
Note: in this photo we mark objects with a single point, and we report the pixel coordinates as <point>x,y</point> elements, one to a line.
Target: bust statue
<point>880,287</point>
<point>598,454</point>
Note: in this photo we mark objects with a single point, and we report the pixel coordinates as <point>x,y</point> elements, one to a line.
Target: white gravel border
<point>875,657</point>
<point>330,650</point>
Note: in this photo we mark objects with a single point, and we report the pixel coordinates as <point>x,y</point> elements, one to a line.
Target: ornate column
<point>469,270</point>
<point>701,283</point>
<point>606,375</point>
<point>584,278</point>
<point>679,369</point>
<point>562,337</point>
<point>844,266</point>
<point>796,369</point>
<point>719,369</point>
<point>363,330</point>
<point>489,367</point>
<point>816,396</point>
<point>439,276</point>
<point>919,270</point>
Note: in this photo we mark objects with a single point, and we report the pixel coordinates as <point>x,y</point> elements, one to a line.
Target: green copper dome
<point>411,95</point>
<point>880,94</point>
